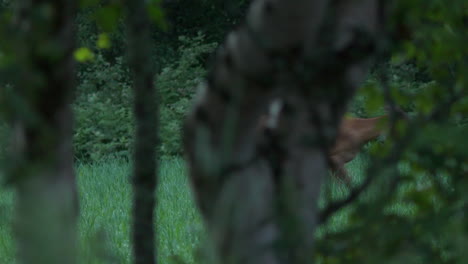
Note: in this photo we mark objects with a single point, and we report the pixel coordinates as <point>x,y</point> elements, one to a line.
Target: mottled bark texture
<point>43,171</point>
<point>258,191</point>
<point>145,110</point>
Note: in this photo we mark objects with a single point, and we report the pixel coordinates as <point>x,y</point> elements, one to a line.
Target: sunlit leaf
<point>83,54</point>
<point>156,14</point>
<point>103,41</point>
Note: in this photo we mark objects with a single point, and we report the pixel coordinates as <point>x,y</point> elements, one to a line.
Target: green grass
<point>105,199</point>
<point>6,210</point>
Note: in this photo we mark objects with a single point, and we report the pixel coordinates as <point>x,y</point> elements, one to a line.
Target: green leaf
<point>103,41</point>
<point>88,3</point>
<point>83,54</point>
<point>156,14</point>
<point>4,60</point>
<point>108,16</point>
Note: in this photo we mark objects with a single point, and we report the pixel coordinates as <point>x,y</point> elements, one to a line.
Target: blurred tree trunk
<point>145,110</point>
<point>258,191</point>
<point>43,172</point>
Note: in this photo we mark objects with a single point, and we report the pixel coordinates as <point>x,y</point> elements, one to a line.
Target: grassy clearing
<point>105,199</point>
<point>105,206</point>
<point>6,212</point>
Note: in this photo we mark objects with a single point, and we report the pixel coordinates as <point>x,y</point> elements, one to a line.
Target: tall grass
<point>105,211</point>
<point>6,212</point>
<point>105,203</point>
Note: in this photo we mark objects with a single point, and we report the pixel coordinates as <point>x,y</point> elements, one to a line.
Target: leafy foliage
<point>426,76</point>
<point>103,105</point>
<point>404,78</point>
<point>176,84</point>
<point>104,122</point>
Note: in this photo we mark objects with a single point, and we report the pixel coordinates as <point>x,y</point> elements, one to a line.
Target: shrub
<point>103,107</point>
<point>103,128</point>
<point>176,85</point>
<point>404,78</point>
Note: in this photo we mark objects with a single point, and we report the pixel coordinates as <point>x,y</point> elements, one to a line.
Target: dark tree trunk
<point>145,110</point>
<point>259,200</point>
<point>43,172</point>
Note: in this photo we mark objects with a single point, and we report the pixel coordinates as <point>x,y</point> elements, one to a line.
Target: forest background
<point>187,34</point>
<point>182,46</point>
<point>426,68</point>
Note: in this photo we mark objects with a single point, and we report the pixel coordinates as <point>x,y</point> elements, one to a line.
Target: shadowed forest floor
<point>105,199</point>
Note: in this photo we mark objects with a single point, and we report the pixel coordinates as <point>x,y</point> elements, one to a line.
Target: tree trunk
<point>258,191</point>
<point>46,204</point>
<point>145,111</point>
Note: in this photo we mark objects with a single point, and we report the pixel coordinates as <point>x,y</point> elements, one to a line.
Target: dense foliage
<point>425,75</point>
<point>103,105</point>
<point>181,52</point>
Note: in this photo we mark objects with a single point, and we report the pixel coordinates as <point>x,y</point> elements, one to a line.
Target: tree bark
<point>145,110</point>
<point>43,171</point>
<point>258,192</point>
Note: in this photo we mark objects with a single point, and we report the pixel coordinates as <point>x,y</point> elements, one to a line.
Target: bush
<point>176,85</point>
<point>104,123</point>
<point>103,108</point>
<point>405,80</point>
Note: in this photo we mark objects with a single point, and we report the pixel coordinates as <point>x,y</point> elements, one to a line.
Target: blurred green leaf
<point>103,41</point>
<point>108,16</point>
<point>83,55</point>
<point>157,15</point>
<point>88,3</point>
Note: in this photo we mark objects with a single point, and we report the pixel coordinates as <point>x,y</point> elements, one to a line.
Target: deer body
<point>352,135</point>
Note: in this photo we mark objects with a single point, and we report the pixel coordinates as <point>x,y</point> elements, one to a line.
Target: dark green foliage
<point>180,52</point>
<point>405,77</point>
<point>423,73</point>
<point>104,124</point>
<point>212,17</point>
<point>177,84</point>
<point>103,106</point>
<point>426,76</point>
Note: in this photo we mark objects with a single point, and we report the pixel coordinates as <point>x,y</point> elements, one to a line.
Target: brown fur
<point>353,134</point>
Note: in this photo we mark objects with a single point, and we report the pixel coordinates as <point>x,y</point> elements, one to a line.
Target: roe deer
<point>353,133</point>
